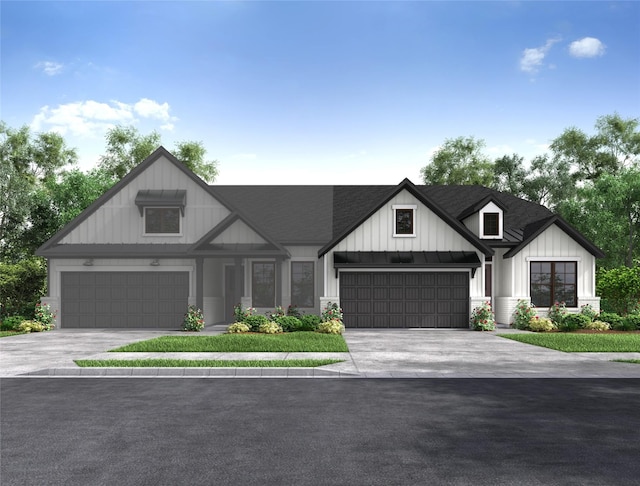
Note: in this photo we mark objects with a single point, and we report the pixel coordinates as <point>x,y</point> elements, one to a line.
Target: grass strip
<point>310,342</point>
<point>10,333</point>
<point>204,363</point>
<point>581,343</point>
<point>636,361</point>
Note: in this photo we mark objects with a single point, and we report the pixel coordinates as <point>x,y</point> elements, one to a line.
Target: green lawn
<point>204,363</point>
<point>9,333</point>
<point>310,342</point>
<point>581,343</point>
<point>636,361</point>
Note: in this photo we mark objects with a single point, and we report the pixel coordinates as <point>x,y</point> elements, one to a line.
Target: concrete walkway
<point>372,354</point>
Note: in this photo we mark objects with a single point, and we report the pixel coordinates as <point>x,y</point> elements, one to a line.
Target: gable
<point>238,233</point>
<point>375,233</point>
<point>119,220</point>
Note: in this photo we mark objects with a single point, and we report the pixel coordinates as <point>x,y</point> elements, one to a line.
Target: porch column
<point>200,283</point>
<point>279,280</point>
<point>238,291</point>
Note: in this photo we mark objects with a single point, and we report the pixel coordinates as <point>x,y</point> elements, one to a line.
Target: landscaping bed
<point>310,342</point>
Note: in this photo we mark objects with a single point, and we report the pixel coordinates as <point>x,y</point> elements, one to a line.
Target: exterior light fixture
<point>88,262</point>
<point>154,263</point>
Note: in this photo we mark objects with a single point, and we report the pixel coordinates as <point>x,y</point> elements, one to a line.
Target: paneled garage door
<point>124,299</point>
<point>405,299</point>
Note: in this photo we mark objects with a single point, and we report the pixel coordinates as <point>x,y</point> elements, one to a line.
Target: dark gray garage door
<point>405,299</point>
<point>124,299</point>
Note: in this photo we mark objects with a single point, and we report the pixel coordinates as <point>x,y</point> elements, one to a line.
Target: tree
<point>126,148</point>
<point>549,182</point>
<point>26,162</point>
<point>459,161</point>
<point>509,175</point>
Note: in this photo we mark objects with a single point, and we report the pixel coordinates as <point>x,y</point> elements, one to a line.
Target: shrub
<point>333,326</point>
<point>31,326</point>
<point>293,311</point>
<point>240,313</point>
<point>289,323</point>
<point>525,311</point>
<point>632,321</point>
<point>625,324</point>
<point>332,312</point>
<point>541,324</point>
<point>589,311</point>
<point>270,327</point>
<point>45,316</point>
<point>310,322</point>
<point>619,288</point>
<point>21,286</point>
<point>557,313</point>
<point>11,323</point>
<point>597,326</point>
<point>274,314</point>
<point>612,318</point>
<point>574,321</point>
<point>238,327</point>
<point>254,322</point>
<point>193,319</point>
<point>482,318</point>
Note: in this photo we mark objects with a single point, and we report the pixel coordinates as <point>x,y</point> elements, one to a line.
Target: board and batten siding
<point>376,234</point>
<point>118,220</point>
<point>238,232</point>
<point>554,244</point>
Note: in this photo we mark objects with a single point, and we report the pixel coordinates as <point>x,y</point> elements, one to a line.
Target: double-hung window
<point>263,284</point>
<point>162,221</point>
<point>302,291</point>
<point>554,282</point>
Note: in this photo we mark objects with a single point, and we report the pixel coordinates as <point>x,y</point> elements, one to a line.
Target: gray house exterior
<point>392,256</point>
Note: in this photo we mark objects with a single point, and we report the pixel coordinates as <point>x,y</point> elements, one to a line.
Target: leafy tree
<point>509,175</point>
<point>549,182</point>
<point>620,288</point>
<point>459,161</point>
<point>26,162</point>
<point>126,148</point>
<point>21,286</point>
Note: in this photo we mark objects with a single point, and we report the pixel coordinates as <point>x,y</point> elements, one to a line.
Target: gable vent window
<point>491,224</point>
<point>404,218</point>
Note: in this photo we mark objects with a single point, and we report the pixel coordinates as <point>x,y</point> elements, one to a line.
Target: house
<point>391,256</point>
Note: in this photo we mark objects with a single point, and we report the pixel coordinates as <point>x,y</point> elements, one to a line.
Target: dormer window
<point>491,224</point>
<point>404,220</point>
<point>162,211</point>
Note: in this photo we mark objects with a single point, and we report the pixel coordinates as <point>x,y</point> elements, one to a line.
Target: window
<point>263,284</point>
<point>404,220</point>
<point>553,282</point>
<point>302,284</point>
<point>162,221</point>
<point>491,224</point>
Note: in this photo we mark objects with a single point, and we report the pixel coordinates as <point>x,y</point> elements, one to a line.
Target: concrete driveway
<point>373,353</point>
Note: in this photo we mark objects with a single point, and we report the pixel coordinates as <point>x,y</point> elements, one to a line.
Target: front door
<point>231,297</point>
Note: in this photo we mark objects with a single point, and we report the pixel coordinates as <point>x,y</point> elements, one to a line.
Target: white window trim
<point>491,208</point>
<point>413,207</point>
<point>576,259</point>
<point>144,221</point>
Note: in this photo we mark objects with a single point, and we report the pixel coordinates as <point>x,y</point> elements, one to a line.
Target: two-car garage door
<point>124,299</point>
<point>405,299</point>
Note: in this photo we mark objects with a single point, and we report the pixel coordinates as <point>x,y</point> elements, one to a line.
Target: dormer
<point>485,218</point>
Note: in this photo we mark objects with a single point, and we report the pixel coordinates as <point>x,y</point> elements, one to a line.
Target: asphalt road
<point>319,432</point>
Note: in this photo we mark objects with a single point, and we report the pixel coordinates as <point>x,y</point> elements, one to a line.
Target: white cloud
<point>586,47</point>
<point>92,118</point>
<point>532,58</point>
<point>49,68</point>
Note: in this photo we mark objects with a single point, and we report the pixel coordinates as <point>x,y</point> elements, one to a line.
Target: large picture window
<point>302,284</point>
<point>263,284</point>
<point>554,282</point>
<point>162,221</point>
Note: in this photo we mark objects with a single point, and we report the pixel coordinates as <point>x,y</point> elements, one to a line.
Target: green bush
<point>482,318</point>
<point>11,323</point>
<point>612,318</point>
<point>333,326</point>
<point>193,319</point>
<point>238,327</point>
<point>332,312</point>
<point>21,286</point>
<point>597,326</point>
<point>619,289</point>
<point>254,322</point>
<point>310,322</point>
<point>541,324</point>
<point>31,326</point>
<point>293,310</point>
<point>525,311</point>
<point>270,327</point>
<point>557,313</point>
<point>289,323</point>
<point>589,311</point>
<point>574,321</point>
<point>625,324</point>
<point>633,321</point>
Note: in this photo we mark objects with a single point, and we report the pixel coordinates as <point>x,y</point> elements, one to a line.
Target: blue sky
<point>319,92</point>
